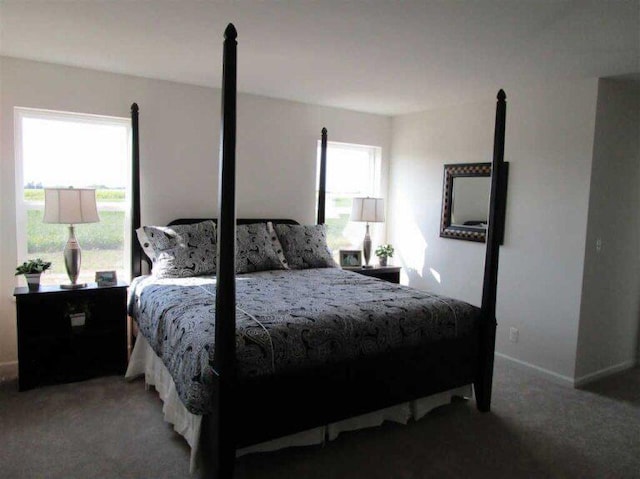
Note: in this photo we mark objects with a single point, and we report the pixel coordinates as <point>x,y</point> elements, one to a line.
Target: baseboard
<point>8,371</point>
<point>551,375</point>
<point>616,368</point>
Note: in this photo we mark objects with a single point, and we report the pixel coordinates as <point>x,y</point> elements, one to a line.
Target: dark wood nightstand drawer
<point>70,335</point>
<point>387,273</point>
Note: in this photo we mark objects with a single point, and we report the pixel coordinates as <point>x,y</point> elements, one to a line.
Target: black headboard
<point>239,221</point>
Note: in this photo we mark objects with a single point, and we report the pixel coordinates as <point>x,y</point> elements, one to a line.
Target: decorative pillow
<point>305,246</point>
<point>276,244</point>
<point>180,251</point>
<point>254,249</point>
<point>144,241</point>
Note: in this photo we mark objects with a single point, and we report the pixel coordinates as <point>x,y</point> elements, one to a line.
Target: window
<point>352,170</point>
<point>57,149</point>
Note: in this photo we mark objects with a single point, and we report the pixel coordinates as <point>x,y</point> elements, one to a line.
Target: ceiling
<point>386,57</point>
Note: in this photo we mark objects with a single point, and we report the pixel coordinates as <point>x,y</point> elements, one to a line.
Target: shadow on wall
<point>413,276</point>
<point>412,249</point>
<point>420,278</point>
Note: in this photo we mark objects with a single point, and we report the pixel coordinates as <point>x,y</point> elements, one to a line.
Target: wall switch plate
<point>513,335</point>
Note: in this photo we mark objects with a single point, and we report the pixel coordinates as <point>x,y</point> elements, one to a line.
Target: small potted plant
<point>383,252</point>
<point>32,269</point>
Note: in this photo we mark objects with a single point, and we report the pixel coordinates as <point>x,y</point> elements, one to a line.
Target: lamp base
<point>366,248</point>
<point>72,259</point>
<point>73,286</point>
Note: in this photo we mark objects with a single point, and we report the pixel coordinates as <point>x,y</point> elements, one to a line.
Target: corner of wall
<point>549,144</point>
<point>8,371</point>
<point>608,328</point>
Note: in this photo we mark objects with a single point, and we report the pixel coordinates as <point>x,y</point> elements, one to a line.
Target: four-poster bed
<point>241,408</point>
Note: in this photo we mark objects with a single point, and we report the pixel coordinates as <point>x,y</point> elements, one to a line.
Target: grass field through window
<point>102,243</point>
<point>342,233</point>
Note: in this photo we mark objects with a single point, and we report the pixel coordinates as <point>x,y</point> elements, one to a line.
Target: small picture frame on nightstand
<point>106,278</point>
<point>350,258</point>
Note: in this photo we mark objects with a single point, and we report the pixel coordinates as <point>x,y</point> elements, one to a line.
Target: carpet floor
<point>109,428</point>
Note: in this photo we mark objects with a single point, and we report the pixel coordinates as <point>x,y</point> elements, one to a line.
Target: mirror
<point>465,201</point>
<point>470,201</point>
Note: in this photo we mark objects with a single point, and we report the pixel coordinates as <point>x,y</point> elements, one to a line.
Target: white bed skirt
<point>145,362</point>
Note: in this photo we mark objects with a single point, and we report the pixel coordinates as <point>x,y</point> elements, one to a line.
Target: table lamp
<point>369,210</point>
<point>71,206</point>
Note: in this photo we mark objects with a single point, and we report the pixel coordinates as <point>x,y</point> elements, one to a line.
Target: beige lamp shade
<point>71,206</point>
<point>370,210</point>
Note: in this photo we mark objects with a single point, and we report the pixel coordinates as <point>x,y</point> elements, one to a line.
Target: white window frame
<point>20,113</point>
<point>375,155</point>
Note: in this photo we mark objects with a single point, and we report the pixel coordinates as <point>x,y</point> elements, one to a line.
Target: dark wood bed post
<point>495,232</point>
<point>322,186</point>
<point>219,448</point>
<point>136,253</point>
<point>136,249</point>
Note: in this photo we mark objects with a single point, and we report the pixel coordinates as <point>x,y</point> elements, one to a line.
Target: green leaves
<point>33,266</point>
<point>385,251</point>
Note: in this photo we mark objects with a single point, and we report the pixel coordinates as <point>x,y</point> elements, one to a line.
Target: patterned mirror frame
<point>468,233</point>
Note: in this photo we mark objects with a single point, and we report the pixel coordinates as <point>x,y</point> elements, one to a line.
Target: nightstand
<point>67,335</point>
<point>388,273</point>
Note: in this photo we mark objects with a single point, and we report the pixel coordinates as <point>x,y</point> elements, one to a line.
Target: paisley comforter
<point>286,321</point>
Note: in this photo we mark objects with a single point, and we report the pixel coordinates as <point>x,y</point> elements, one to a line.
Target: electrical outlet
<point>513,335</point>
<point>77,319</point>
<point>598,245</point>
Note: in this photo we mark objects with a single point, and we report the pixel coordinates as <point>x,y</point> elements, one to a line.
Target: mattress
<point>288,321</point>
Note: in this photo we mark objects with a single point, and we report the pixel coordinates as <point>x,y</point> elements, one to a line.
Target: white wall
<point>179,134</point>
<point>610,309</point>
<point>422,144</point>
<point>549,140</point>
